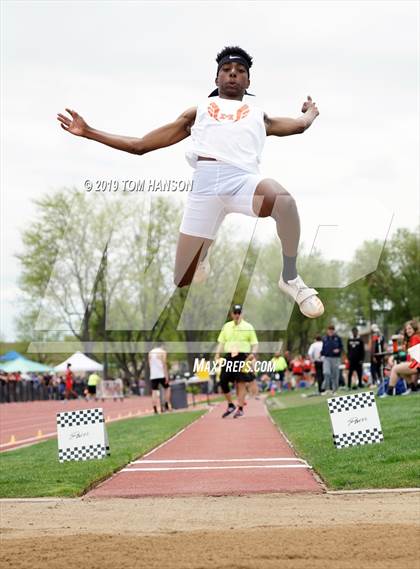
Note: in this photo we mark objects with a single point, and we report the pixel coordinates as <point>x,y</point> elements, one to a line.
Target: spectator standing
<point>356,357</point>
<point>314,353</point>
<point>93,381</point>
<point>297,370</point>
<point>377,349</point>
<point>307,370</point>
<point>280,366</point>
<point>69,391</point>
<point>118,389</point>
<point>159,376</point>
<point>47,381</point>
<point>14,379</point>
<point>332,347</point>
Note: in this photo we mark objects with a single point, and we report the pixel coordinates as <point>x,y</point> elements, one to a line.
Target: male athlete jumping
<point>227,139</point>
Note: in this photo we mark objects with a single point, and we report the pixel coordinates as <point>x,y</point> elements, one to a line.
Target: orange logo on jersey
<point>214,111</point>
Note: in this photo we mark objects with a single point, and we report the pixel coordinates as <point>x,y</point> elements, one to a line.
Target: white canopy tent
<point>79,362</point>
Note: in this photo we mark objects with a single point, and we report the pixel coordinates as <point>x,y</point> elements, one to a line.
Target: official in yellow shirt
<point>238,341</point>
<point>280,367</point>
<point>92,384</point>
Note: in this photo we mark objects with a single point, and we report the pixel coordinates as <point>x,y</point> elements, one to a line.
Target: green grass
<point>35,471</point>
<point>394,463</point>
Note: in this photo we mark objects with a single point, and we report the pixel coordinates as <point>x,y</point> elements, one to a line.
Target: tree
<point>389,294</point>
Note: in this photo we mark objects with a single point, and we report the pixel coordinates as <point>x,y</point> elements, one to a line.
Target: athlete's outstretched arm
<point>283,126</point>
<point>166,135</point>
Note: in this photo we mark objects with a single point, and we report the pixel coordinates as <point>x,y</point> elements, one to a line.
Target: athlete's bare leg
<point>241,392</point>
<point>190,250</point>
<point>253,388</point>
<point>228,397</point>
<point>271,199</point>
<point>167,393</point>
<point>155,399</point>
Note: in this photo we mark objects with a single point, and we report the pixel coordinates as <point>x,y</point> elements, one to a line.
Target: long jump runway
<point>216,457</point>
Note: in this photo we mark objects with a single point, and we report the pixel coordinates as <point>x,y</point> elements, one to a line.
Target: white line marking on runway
<point>189,460</point>
<point>215,467</point>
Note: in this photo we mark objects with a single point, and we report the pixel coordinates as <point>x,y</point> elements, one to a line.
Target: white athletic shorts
<point>218,188</point>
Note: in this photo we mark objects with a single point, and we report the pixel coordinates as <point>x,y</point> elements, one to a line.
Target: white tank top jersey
<point>230,131</point>
<point>157,369</point>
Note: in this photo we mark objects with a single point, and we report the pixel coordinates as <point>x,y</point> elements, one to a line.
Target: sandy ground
<point>299,531</point>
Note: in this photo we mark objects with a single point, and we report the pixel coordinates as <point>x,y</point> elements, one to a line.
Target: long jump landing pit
<point>216,457</point>
<point>260,531</point>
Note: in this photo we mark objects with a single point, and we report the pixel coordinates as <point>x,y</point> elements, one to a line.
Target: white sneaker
<point>202,271</point>
<point>406,392</point>
<point>309,304</point>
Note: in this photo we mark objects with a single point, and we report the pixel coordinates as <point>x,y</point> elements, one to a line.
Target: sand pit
<point>297,531</point>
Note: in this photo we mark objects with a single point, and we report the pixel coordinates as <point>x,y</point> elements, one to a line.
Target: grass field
<point>394,463</point>
<point>35,471</point>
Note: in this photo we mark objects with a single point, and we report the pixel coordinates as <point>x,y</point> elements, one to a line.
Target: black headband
<point>233,58</point>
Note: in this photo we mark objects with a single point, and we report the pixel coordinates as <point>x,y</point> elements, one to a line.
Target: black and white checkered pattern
<point>83,452</point>
<point>366,437</point>
<point>77,418</point>
<point>351,402</point>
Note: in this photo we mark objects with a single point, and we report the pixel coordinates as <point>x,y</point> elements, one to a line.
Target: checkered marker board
<point>82,435</point>
<point>355,420</point>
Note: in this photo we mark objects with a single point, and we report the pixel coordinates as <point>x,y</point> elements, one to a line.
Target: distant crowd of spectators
<point>23,387</point>
<point>331,365</point>
<point>17,387</point>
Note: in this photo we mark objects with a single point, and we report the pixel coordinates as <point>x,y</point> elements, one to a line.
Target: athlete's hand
<point>309,105</point>
<point>76,125</point>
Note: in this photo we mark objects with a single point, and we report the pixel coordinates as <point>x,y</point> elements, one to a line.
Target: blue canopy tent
<point>23,365</point>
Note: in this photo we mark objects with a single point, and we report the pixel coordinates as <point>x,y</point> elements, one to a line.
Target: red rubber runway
<point>22,424</point>
<point>216,457</point>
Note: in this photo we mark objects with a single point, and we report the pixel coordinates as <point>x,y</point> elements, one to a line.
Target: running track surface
<point>22,424</point>
<point>216,457</point>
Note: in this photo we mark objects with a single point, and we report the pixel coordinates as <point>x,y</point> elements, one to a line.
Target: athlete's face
<point>232,81</point>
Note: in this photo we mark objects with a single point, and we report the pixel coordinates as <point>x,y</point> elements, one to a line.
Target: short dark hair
<point>354,329</point>
<point>69,365</point>
<point>331,327</point>
<point>318,338</point>
<point>234,50</point>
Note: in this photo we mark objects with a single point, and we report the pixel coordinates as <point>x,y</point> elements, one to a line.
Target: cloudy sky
<point>128,67</point>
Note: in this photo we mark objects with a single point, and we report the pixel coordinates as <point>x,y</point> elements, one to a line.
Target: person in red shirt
<point>307,370</point>
<point>69,384</point>
<point>297,370</point>
<point>408,369</point>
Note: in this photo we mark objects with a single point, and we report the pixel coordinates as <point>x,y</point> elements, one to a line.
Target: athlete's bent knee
<point>284,204</point>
